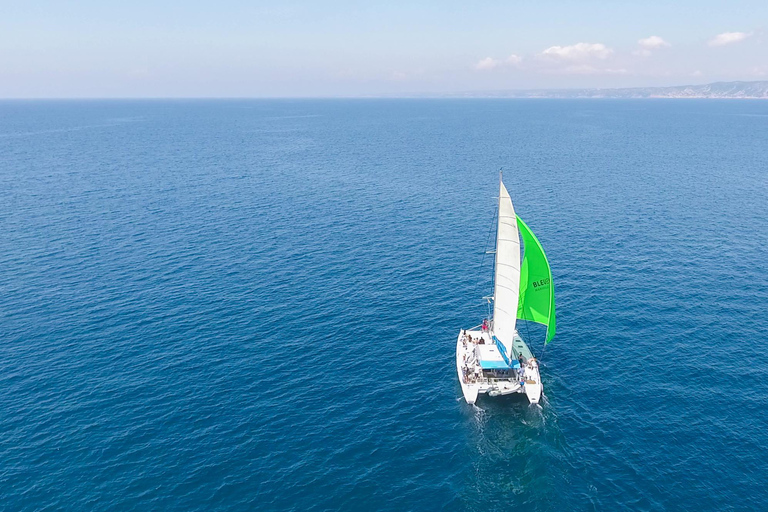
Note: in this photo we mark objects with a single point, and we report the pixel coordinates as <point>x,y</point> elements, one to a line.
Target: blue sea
<point>253,305</point>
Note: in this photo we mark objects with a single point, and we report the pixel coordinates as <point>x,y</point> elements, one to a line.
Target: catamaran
<point>492,358</point>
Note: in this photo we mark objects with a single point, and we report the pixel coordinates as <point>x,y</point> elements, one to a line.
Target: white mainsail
<point>507,273</point>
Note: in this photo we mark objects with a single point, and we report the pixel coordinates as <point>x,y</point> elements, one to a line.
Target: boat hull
<point>474,383</point>
<point>532,381</point>
<point>469,390</point>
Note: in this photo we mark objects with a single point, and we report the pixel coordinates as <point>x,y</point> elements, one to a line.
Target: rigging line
<point>528,333</point>
<point>482,260</point>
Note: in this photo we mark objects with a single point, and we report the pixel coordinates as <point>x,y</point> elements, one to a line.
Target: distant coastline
<point>718,90</point>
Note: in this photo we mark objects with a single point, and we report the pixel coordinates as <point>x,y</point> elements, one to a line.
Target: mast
<point>506,274</point>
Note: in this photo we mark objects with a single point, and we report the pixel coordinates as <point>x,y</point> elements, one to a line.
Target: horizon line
<point>523,93</point>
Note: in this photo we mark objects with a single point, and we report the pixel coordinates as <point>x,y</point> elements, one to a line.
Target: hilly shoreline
<point>717,90</point>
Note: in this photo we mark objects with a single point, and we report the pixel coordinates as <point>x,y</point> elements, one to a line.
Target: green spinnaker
<point>537,292</point>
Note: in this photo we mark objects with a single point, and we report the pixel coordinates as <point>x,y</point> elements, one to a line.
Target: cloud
<point>578,52</point>
<point>729,38</point>
<point>489,63</point>
<point>486,64</point>
<point>648,44</point>
<point>653,43</point>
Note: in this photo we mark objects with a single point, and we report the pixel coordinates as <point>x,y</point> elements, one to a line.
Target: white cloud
<point>578,52</point>
<point>489,63</point>
<point>648,44</point>
<point>652,43</point>
<point>729,38</point>
<point>486,64</point>
<point>697,73</point>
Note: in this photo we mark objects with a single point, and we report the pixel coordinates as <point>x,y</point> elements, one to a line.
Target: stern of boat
<point>533,387</point>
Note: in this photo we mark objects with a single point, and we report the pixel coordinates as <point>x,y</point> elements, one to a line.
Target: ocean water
<point>253,305</point>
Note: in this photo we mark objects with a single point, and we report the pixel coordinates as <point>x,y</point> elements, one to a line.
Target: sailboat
<point>492,358</point>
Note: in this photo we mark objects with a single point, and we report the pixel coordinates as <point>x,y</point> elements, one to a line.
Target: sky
<point>239,48</point>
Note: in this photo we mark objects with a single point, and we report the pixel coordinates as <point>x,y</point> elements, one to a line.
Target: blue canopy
<point>498,365</point>
<point>492,357</point>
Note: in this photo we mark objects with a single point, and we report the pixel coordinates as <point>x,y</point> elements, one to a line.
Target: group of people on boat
<point>523,375</point>
<point>467,338</point>
<point>470,370</point>
<point>469,376</point>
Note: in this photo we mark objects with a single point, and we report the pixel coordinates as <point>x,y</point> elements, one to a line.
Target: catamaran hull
<point>470,391</point>
<point>471,388</point>
<point>533,391</point>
